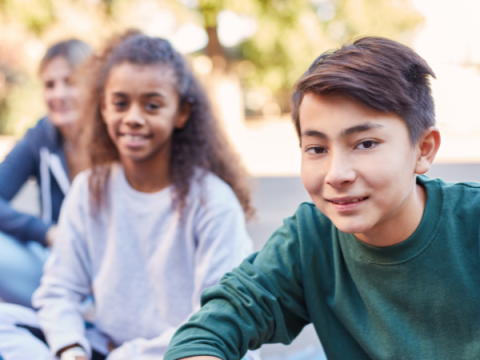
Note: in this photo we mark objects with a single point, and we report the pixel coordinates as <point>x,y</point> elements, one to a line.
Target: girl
<point>46,152</point>
<point>159,218</point>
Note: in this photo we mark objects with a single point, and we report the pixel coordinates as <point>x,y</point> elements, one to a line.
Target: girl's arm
<point>67,279</point>
<point>222,243</point>
<point>15,170</point>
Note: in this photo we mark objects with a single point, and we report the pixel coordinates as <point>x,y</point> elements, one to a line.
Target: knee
<point>11,314</point>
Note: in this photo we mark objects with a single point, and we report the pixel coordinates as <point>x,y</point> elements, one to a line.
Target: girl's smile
<point>141,110</point>
<point>135,141</point>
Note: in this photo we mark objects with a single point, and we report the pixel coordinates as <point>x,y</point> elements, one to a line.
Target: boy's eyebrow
<point>359,128</point>
<point>314,133</point>
<point>345,133</point>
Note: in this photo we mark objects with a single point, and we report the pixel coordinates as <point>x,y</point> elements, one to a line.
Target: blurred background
<point>248,54</point>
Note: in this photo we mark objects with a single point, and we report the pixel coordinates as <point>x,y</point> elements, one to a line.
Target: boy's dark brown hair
<point>379,73</point>
<point>200,144</point>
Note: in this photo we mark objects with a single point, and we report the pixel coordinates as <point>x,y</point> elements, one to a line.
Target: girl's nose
<point>134,116</point>
<point>339,172</point>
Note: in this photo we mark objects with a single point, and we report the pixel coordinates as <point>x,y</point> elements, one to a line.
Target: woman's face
<point>60,92</point>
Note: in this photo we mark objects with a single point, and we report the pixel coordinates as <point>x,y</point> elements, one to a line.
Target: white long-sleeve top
<point>145,265</point>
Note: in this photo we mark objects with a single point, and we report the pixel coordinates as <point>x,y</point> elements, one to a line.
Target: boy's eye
<point>49,84</point>
<point>316,150</point>
<point>369,144</point>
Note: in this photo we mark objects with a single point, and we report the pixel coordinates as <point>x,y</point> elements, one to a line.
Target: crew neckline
<point>145,200</point>
<point>417,242</point>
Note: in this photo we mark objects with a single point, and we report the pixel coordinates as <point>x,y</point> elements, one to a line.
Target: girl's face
<point>59,92</point>
<point>141,110</point>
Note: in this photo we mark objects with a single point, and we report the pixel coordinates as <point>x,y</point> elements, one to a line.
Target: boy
<point>384,263</point>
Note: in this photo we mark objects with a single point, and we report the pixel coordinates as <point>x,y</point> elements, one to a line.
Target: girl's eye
<point>152,106</point>
<point>120,104</point>
<point>316,150</point>
<point>369,144</point>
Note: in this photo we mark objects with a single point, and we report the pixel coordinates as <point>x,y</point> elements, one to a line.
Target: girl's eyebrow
<point>147,95</point>
<point>153,94</point>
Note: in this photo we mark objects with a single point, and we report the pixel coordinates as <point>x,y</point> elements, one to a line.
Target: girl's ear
<point>183,115</point>
<point>427,147</point>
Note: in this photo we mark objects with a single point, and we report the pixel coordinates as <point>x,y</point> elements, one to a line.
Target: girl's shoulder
<point>210,189</point>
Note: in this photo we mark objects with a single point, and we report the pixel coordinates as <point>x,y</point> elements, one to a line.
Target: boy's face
<point>358,165</point>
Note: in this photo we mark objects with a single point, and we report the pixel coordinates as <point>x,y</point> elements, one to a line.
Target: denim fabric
<point>20,269</point>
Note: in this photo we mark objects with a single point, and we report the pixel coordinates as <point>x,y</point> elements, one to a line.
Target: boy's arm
<point>262,301</point>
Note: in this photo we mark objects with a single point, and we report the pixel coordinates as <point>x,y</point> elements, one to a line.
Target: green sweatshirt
<point>419,299</point>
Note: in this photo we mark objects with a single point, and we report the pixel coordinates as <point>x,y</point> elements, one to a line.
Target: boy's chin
<point>351,227</point>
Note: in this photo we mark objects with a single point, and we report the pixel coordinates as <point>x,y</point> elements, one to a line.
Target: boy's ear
<point>427,147</point>
<point>183,115</point>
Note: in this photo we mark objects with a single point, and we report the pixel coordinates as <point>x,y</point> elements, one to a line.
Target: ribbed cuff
<point>193,350</point>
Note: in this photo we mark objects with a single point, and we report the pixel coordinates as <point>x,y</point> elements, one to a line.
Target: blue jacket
<point>40,154</point>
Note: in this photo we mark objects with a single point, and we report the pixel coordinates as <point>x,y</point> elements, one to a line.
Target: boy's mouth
<point>347,204</point>
<point>347,200</point>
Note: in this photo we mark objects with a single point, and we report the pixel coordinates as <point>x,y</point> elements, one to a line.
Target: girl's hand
<point>50,236</point>
<point>81,358</point>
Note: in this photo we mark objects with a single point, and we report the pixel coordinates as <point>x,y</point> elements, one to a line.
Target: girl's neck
<point>149,175</point>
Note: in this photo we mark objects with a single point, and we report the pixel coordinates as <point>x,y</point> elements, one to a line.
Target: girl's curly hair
<point>199,144</point>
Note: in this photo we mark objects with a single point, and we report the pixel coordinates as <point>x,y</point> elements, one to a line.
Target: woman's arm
<point>15,170</point>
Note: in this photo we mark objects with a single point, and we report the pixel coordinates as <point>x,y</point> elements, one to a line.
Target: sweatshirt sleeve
<point>15,170</point>
<point>261,301</point>
<point>66,280</point>
<point>222,243</point>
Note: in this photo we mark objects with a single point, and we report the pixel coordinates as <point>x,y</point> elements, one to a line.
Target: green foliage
<point>35,15</point>
<point>291,33</point>
<point>209,10</point>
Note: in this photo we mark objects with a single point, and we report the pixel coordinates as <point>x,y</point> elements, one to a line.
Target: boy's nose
<point>339,172</point>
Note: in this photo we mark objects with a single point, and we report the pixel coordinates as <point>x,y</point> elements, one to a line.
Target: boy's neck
<point>400,226</point>
<point>149,175</point>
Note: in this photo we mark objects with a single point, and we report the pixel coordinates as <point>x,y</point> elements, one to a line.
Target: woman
<point>49,151</point>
